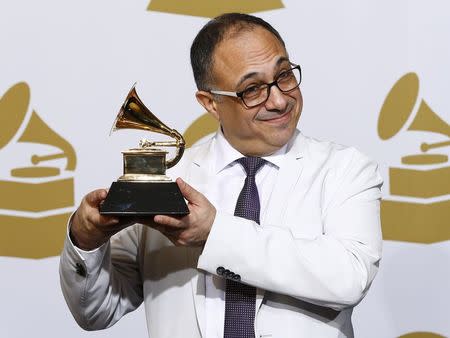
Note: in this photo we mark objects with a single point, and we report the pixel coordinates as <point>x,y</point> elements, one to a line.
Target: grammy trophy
<point>144,188</point>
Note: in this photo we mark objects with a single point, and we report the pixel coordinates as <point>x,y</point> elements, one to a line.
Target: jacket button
<point>226,273</point>
<point>80,270</point>
<point>220,270</point>
<point>236,277</point>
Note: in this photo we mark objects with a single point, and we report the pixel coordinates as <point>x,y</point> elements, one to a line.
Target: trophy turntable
<point>144,189</point>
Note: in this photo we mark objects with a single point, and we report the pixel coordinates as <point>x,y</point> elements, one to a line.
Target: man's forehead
<point>247,51</point>
<point>251,74</point>
<point>249,34</point>
<point>240,29</point>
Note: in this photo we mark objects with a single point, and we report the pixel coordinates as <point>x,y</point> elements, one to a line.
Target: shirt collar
<point>226,155</point>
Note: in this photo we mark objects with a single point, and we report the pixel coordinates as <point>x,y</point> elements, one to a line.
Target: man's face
<point>246,59</point>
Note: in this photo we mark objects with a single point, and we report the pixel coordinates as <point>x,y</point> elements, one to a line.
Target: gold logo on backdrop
<point>210,9</point>
<point>204,125</point>
<point>422,335</point>
<point>35,195</point>
<point>418,209</point>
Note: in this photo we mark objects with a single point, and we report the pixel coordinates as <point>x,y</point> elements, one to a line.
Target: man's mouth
<point>276,118</point>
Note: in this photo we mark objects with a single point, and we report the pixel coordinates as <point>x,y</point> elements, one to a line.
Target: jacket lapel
<point>286,183</point>
<point>198,174</point>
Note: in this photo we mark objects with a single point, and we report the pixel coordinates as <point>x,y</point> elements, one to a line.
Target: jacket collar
<point>204,155</point>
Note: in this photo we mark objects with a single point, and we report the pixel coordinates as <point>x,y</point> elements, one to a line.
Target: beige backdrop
<point>376,76</point>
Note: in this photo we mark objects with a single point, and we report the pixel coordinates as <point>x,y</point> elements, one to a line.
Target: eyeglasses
<point>253,96</point>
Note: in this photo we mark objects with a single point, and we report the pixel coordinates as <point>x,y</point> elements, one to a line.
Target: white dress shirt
<point>223,193</point>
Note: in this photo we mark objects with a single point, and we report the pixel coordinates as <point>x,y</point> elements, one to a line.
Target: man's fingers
<point>189,192</point>
<point>95,197</point>
<point>169,221</point>
<point>96,218</point>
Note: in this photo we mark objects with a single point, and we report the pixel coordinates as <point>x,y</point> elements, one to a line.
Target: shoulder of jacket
<point>334,153</point>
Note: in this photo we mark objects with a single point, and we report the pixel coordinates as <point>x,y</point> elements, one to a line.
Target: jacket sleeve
<point>333,269</point>
<point>102,285</point>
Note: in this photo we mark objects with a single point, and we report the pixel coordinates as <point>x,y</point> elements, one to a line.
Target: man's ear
<point>207,101</point>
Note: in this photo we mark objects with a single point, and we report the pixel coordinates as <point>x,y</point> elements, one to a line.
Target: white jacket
<point>312,258</point>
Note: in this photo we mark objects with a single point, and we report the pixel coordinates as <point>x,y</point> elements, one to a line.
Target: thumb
<point>192,195</point>
<point>95,197</point>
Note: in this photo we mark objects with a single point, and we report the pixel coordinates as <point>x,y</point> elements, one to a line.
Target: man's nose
<point>276,100</point>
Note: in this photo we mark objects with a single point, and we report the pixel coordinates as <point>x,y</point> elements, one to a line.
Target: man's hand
<point>89,229</point>
<point>192,229</point>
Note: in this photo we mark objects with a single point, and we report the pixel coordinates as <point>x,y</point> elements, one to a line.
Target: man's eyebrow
<point>280,60</point>
<point>245,77</point>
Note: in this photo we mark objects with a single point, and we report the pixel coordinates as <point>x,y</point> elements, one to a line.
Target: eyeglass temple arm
<point>221,92</point>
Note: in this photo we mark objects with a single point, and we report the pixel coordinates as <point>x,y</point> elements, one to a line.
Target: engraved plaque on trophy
<point>144,189</point>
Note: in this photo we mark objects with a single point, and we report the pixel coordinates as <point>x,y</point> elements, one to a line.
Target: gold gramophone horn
<point>399,105</point>
<point>135,115</point>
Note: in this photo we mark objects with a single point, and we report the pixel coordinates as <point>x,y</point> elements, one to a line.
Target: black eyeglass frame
<point>269,86</point>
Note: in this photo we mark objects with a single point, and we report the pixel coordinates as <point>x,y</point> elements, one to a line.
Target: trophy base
<point>127,198</point>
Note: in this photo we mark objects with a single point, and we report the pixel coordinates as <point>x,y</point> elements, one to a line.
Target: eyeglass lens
<point>286,82</point>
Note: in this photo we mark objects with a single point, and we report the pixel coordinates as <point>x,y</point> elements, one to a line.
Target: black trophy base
<point>127,198</point>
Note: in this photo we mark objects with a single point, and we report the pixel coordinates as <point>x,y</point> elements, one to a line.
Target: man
<point>283,236</point>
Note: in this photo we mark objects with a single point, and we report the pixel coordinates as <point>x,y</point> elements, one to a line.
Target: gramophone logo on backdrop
<point>35,196</point>
<point>210,9</point>
<point>418,209</point>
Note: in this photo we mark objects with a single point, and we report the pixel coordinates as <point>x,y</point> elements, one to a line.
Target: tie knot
<point>251,164</point>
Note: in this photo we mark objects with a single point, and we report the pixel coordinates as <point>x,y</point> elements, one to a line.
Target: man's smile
<point>276,117</point>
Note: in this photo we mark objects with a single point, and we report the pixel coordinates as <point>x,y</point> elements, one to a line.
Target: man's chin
<point>279,138</point>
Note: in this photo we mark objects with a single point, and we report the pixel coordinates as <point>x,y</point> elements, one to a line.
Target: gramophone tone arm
<point>179,144</point>
<point>144,143</point>
<point>427,146</point>
<point>166,144</point>
<point>36,159</point>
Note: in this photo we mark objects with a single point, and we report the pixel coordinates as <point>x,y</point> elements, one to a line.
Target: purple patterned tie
<point>240,299</point>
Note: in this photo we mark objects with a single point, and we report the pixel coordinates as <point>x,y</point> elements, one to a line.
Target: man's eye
<point>252,91</point>
<point>285,75</point>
